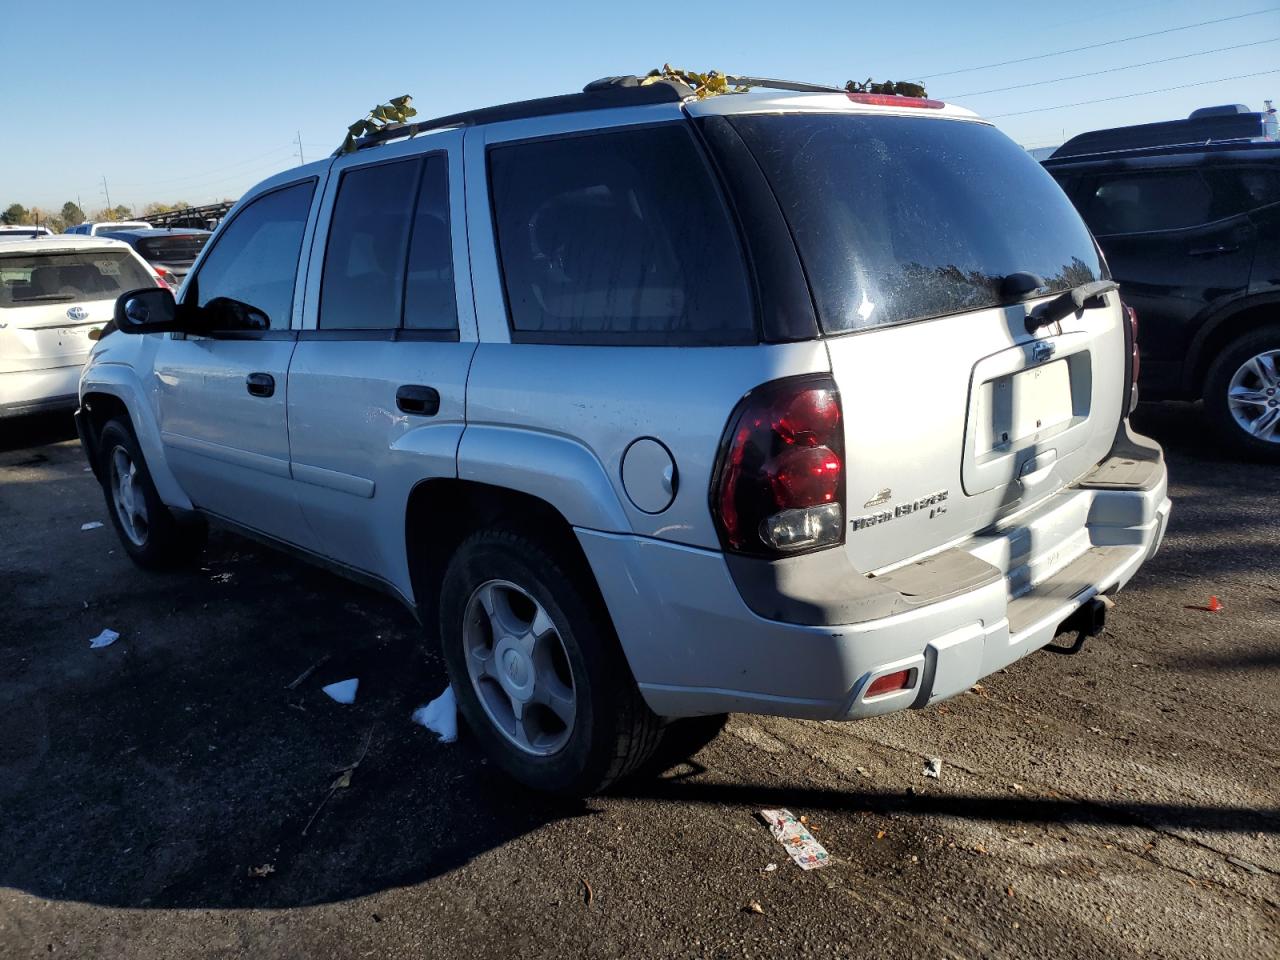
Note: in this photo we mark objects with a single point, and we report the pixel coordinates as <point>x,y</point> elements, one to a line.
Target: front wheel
<point>1242,393</point>
<point>152,536</point>
<point>537,669</point>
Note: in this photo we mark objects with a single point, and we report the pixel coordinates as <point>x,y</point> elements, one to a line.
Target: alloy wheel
<point>127,496</point>
<point>519,667</point>
<point>1253,396</point>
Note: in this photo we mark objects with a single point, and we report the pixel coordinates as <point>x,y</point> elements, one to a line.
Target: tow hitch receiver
<point>1088,621</point>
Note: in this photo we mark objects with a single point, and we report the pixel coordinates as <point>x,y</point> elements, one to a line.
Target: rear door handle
<point>418,400</point>
<point>1213,251</point>
<point>260,384</point>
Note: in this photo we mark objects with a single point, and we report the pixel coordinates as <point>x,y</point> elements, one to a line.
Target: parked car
<point>15,231</point>
<point>170,252</point>
<point>1191,230</point>
<point>54,291</point>
<point>652,407</point>
<point>105,226</point>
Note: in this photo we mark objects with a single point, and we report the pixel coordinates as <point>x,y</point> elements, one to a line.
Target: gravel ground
<point>1120,802</point>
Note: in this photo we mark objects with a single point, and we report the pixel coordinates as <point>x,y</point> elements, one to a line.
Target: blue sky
<point>197,102</point>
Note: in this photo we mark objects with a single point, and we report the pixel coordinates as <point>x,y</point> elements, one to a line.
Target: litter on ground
<point>933,768</point>
<point>105,639</point>
<point>344,691</point>
<point>440,716</point>
<point>91,525</point>
<point>807,852</point>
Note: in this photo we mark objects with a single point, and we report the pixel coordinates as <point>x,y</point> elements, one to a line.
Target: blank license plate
<point>1021,404</point>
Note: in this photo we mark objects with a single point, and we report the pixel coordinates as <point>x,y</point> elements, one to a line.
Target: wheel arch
<point>1237,320</point>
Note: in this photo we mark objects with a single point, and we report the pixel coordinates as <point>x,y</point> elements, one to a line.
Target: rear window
<point>618,237</point>
<point>56,278</point>
<point>183,248</point>
<point>906,218</point>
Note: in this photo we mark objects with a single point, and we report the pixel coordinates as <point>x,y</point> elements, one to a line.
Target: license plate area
<point>1024,414</point>
<point>1010,408</point>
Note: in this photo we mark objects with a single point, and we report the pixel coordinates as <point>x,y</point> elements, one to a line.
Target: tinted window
<point>1139,203</point>
<point>902,218</point>
<point>27,280</point>
<point>176,248</point>
<point>429,302</point>
<point>618,237</point>
<point>255,260</point>
<point>1238,190</point>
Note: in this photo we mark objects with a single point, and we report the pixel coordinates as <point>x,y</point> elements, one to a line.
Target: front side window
<point>254,263</point>
<point>904,218</point>
<point>618,237</point>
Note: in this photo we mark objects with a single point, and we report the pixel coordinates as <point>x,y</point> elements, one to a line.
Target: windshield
<point>27,280</point>
<point>905,218</point>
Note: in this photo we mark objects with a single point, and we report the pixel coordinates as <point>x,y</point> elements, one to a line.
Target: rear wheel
<point>537,669</point>
<point>152,536</point>
<point>1242,393</point>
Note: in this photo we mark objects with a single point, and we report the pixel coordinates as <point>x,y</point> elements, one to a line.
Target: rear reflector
<point>889,683</point>
<point>894,100</point>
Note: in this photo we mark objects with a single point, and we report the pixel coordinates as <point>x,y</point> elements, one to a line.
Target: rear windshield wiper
<point>1062,306</point>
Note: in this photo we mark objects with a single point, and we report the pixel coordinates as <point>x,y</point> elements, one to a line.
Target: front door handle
<point>1212,251</point>
<point>260,384</point>
<point>418,400</point>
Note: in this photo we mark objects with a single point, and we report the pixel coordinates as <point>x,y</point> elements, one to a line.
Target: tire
<point>151,535</point>
<point>1227,373</point>
<point>520,629</point>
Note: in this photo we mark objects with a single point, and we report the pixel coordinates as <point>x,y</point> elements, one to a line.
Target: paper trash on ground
<point>105,639</point>
<point>344,691</point>
<point>440,716</point>
<point>807,852</point>
<point>91,525</point>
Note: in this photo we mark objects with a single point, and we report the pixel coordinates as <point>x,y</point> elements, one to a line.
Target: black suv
<point>1191,230</point>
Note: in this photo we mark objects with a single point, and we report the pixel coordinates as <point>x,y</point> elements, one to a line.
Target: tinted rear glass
<point>183,248</point>
<point>904,218</point>
<point>26,281</point>
<point>618,237</point>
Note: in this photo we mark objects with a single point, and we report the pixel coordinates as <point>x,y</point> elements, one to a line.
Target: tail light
<point>1133,360</point>
<point>162,277</point>
<point>895,100</point>
<point>778,487</point>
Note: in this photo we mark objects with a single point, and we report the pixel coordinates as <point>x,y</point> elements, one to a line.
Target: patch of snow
<point>344,691</point>
<point>440,716</point>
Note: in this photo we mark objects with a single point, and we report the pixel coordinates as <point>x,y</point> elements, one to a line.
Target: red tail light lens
<point>1133,331</point>
<point>779,482</point>
<point>161,279</point>
<point>1134,361</point>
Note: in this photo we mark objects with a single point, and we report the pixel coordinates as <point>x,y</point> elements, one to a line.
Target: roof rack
<point>1215,126</point>
<point>622,91</point>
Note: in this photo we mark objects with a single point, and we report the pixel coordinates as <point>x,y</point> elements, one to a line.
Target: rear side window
<point>389,255</point>
<point>1141,203</point>
<point>26,280</point>
<point>905,218</point>
<point>618,237</point>
<point>255,261</point>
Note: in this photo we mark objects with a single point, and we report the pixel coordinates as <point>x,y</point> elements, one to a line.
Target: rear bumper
<point>39,390</point>
<point>696,647</point>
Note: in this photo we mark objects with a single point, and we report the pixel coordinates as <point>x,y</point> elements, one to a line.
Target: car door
<point>1177,248</point>
<point>377,384</point>
<point>221,397</point>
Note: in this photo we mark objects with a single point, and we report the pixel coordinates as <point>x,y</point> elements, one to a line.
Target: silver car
<point>653,407</point>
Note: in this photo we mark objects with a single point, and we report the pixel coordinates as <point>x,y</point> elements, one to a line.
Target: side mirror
<point>148,310</point>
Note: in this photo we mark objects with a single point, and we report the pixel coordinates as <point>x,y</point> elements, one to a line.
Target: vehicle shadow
<point>36,430</point>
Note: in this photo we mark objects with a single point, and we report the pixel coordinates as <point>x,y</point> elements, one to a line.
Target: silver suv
<point>790,401</point>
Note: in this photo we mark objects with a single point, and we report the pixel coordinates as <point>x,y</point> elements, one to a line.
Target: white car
<point>19,231</point>
<point>53,292</point>
<point>105,226</point>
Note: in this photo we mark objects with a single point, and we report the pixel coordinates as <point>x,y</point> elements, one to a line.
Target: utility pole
<point>301,158</point>
<point>106,191</point>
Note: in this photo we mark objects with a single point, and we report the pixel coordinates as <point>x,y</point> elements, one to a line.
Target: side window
<point>1140,203</point>
<point>1239,190</point>
<point>377,227</point>
<point>255,261</point>
<point>429,301</point>
<point>618,237</point>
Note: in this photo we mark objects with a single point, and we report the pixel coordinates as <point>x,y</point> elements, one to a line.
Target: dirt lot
<point>1119,802</point>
